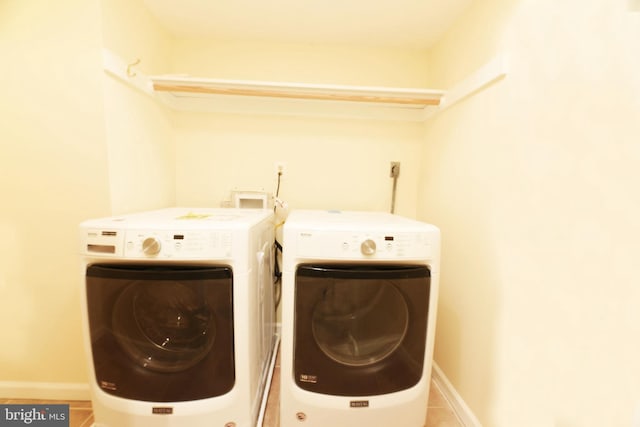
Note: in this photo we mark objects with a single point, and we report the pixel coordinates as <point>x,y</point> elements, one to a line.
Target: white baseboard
<point>459,406</point>
<point>44,391</point>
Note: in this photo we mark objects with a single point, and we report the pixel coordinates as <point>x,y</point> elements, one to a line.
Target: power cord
<point>275,205</point>
<point>277,282</point>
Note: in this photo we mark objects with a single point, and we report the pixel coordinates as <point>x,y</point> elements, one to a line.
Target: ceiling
<point>392,23</point>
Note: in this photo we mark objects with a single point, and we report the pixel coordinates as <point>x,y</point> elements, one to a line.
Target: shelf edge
<point>384,95</point>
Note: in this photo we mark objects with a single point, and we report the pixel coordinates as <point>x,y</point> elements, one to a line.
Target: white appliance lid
<point>183,218</point>
<point>353,220</point>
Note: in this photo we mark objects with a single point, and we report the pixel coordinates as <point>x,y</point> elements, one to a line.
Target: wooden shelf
<point>188,93</point>
<point>395,96</point>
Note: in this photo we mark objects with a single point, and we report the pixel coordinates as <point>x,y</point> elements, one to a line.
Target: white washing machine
<point>178,316</point>
<point>359,300</point>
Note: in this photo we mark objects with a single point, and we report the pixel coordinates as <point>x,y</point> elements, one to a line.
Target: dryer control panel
<point>158,244</point>
<point>361,245</point>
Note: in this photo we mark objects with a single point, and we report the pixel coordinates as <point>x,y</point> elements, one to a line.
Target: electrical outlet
<point>281,168</point>
<point>395,170</point>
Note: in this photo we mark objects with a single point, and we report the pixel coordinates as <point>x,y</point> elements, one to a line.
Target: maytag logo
<point>359,404</point>
<point>306,378</point>
<point>36,415</point>
<point>162,410</point>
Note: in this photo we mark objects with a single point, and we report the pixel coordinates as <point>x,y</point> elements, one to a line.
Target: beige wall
<point>331,163</point>
<point>54,174</point>
<point>533,184</point>
<point>301,63</point>
<point>139,134</point>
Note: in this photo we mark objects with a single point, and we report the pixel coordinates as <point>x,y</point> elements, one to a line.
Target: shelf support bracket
<point>123,71</point>
<point>490,73</point>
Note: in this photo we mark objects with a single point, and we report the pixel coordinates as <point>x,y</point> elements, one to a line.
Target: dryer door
<point>360,330</point>
<point>161,333</point>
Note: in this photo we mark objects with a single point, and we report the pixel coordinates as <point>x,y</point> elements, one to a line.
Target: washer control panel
<point>158,244</point>
<point>380,246</point>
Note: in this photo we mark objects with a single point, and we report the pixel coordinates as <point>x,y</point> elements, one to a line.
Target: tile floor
<point>439,414</point>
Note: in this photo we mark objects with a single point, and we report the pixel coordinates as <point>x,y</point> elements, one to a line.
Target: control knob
<point>151,246</point>
<point>368,247</point>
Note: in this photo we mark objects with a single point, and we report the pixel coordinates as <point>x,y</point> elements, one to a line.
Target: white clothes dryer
<point>178,314</point>
<point>359,300</point>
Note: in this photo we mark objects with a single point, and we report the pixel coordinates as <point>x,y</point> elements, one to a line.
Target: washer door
<point>357,323</point>
<point>360,330</point>
<point>161,333</point>
<point>164,326</point>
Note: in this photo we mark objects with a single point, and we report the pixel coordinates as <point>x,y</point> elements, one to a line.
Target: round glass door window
<point>360,322</point>
<point>164,326</point>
